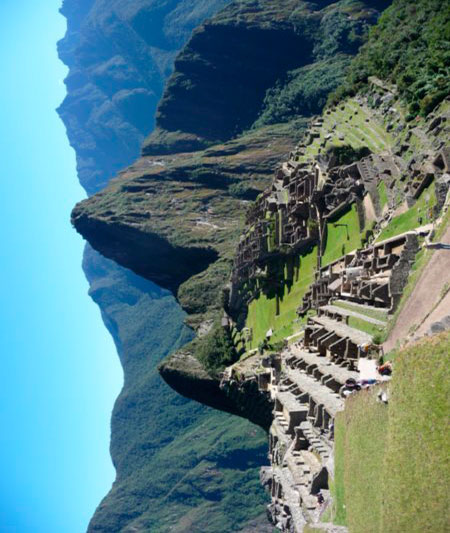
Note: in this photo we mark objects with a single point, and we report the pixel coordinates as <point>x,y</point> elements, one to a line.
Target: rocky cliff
<point>119,55</point>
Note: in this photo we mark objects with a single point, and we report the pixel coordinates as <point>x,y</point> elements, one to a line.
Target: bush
<point>344,155</point>
<point>304,92</point>
<point>409,47</point>
<point>216,349</point>
<point>243,191</point>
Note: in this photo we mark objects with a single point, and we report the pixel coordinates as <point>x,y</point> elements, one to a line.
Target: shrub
<point>409,47</point>
<point>216,349</point>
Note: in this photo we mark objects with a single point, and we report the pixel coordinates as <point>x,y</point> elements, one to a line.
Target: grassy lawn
<point>410,219</point>
<point>337,485</point>
<point>262,311</point>
<point>394,457</point>
<point>417,463</point>
<point>343,236</point>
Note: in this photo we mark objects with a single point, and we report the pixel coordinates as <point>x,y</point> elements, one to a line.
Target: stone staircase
<point>306,391</point>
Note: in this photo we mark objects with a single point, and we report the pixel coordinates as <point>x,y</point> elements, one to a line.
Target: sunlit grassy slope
<point>416,216</point>
<point>343,236</point>
<point>262,312</point>
<point>392,462</point>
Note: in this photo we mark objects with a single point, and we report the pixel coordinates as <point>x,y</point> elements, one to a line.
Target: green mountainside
<point>184,204</point>
<point>237,102</point>
<point>119,55</point>
<point>177,462</point>
<point>257,63</point>
<point>117,71</point>
<point>409,47</point>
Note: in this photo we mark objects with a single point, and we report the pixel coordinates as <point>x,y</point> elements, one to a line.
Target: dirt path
<point>425,296</point>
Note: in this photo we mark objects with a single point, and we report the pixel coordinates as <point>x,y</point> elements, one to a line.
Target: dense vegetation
<point>217,349</point>
<point>410,47</point>
<point>174,458</point>
<point>296,53</point>
<point>304,91</point>
<point>335,38</point>
<point>388,456</point>
<point>119,53</point>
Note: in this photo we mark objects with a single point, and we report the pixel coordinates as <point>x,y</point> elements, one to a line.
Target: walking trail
<point>425,304</point>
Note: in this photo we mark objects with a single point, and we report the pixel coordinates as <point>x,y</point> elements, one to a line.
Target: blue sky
<point>59,372</point>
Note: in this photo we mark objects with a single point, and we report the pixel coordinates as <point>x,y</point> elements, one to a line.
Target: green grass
<point>367,327</point>
<point>337,485</point>
<point>409,220</point>
<point>262,312</point>
<point>406,47</point>
<point>343,236</point>
<point>417,462</point>
<point>356,131</point>
<point>363,427</point>
<point>371,313</point>
<point>391,462</point>
<point>382,193</point>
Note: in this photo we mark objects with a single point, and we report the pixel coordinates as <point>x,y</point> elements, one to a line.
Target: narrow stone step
<point>365,307</point>
<point>320,394</point>
<point>323,364</point>
<point>335,310</point>
<point>355,335</point>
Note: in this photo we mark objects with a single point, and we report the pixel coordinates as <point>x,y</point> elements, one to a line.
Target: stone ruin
<point>301,389</point>
<point>374,276</point>
<point>305,382</point>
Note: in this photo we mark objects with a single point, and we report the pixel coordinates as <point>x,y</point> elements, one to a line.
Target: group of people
<point>353,385</point>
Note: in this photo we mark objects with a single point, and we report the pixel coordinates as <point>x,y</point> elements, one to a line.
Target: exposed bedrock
<point>147,254</point>
<point>185,374</point>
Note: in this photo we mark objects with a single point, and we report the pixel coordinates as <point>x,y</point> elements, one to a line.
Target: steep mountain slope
<point>129,220</point>
<point>176,461</point>
<point>179,210</point>
<point>119,54</point>
<point>223,75</point>
<point>352,224</point>
<point>108,75</point>
<point>366,177</point>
